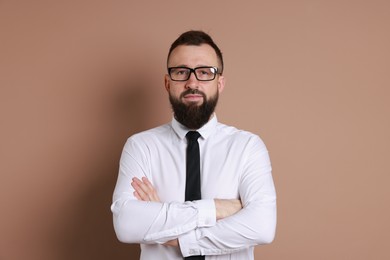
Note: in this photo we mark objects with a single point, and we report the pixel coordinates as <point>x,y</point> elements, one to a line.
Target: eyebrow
<point>197,66</point>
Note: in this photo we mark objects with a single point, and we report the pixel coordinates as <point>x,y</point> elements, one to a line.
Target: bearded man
<point>195,188</point>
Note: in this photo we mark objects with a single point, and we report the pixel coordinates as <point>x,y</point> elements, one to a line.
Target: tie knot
<point>192,136</point>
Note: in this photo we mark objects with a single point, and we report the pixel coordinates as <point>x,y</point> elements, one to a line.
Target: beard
<point>192,115</point>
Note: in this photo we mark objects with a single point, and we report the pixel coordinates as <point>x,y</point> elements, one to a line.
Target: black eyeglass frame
<point>193,71</point>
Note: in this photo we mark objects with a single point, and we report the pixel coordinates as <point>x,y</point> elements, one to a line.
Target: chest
<point>221,165</point>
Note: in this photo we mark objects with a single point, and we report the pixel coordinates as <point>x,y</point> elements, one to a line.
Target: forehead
<point>192,56</point>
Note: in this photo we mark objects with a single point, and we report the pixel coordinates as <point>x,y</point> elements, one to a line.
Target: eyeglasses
<point>204,73</point>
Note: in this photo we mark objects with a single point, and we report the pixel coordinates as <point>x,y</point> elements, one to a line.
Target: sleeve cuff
<point>189,244</point>
<point>206,213</point>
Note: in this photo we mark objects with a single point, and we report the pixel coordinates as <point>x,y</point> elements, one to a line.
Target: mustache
<point>193,92</point>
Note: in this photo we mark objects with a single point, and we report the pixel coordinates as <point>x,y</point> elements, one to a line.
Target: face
<point>194,94</point>
<point>192,57</point>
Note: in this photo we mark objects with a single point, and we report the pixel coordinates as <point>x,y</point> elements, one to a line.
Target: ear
<point>221,83</point>
<point>167,82</point>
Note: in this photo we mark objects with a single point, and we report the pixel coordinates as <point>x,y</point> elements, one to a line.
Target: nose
<point>192,82</point>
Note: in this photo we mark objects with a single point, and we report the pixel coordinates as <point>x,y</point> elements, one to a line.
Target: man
<point>235,203</point>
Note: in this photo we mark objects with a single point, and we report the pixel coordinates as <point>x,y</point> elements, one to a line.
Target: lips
<point>193,97</point>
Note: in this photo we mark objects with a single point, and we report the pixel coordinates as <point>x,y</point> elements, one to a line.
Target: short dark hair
<point>196,38</point>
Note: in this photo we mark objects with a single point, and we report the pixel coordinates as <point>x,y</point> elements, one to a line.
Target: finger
<point>147,182</point>
<point>145,188</point>
<point>137,195</point>
<point>149,186</point>
<point>151,190</point>
<point>142,194</point>
<point>139,185</point>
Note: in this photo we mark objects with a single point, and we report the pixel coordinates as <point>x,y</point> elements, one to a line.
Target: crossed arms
<point>144,191</point>
<point>207,226</point>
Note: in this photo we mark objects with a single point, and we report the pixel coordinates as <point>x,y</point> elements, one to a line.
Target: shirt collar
<point>205,131</point>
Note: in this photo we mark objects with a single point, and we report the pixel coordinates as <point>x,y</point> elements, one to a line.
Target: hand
<point>144,190</point>
<point>225,208</point>
<point>173,242</point>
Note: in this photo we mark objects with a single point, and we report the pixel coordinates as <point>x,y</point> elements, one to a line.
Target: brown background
<point>310,77</point>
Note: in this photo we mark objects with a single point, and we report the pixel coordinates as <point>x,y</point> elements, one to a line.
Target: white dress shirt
<point>234,165</point>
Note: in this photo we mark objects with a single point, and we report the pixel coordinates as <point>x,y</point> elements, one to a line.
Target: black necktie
<point>193,173</point>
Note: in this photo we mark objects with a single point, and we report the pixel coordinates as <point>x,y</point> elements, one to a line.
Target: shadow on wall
<point>89,234</point>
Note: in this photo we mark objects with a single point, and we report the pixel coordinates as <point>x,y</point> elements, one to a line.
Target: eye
<point>204,71</point>
<point>180,71</point>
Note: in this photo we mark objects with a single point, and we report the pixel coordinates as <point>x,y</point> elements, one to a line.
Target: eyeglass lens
<point>201,73</point>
